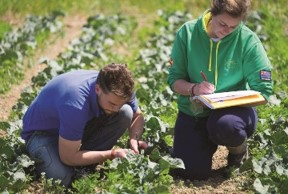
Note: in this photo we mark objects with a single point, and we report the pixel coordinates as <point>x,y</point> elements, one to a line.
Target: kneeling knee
<point>126,114</point>
<point>191,174</point>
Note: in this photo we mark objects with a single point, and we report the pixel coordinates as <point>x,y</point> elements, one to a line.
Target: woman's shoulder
<point>249,35</point>
<point>189,24</point>
<point>246,30</point>
<point>188,27</point>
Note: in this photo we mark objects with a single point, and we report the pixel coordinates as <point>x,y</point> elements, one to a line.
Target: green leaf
<point>19,176</point>
<point>247,165</point>
<point>257,167</point>
<point>174,162</point>
<point>262,189</point>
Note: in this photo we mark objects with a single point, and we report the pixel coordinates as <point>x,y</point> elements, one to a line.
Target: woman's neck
<point>210,31</point>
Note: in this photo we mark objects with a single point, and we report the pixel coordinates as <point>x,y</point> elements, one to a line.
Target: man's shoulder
<point>75,77</point>
<point>81,72</point>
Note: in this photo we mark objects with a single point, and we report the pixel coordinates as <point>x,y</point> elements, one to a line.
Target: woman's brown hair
<point>235,8</point>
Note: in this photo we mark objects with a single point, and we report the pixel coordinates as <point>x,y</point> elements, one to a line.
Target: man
<point>78,117</point>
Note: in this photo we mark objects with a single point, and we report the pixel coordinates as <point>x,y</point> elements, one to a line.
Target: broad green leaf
<point>257,167</point>
<point>262,189</point>
<point>19,176</point>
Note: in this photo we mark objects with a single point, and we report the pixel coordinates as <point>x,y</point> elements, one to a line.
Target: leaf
<point>259,187</point>
<point>174,162</point>
<point>247,165</point>
<point>19,176</point>
<point>257,167</point>
<point>286,130</point>
<point>280,137</point>
<point>155,155</point>
<point>266,169</point>
<point>24,161</point>
<point>274,100</point>
<point>280,169</point>
<point>5,150</point>
<point>155,123</point>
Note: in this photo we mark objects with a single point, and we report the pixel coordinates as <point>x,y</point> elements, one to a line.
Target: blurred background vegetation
<point>16,10</point>
<point>274,18</point>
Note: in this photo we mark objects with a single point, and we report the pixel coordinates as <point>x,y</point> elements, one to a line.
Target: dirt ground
<point>72,29</point>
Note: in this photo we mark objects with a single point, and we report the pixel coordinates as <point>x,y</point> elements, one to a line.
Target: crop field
<point>42,39</point>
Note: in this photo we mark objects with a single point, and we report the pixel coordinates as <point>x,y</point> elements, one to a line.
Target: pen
<point>204,76</point>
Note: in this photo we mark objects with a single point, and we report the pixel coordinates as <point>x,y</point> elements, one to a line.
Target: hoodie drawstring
<point>210,57</point>
<point>216,61</point>
<point>216,67</point>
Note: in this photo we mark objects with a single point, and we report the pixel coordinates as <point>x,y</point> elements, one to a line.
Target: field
<point>40,40</point>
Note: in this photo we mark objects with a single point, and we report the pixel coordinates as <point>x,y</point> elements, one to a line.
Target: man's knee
<point>47,161</point>
<point>59,172</point>
<point>125,116</point>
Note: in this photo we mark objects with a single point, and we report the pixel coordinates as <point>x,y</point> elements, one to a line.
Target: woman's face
<point>223,24</point>
<point>109,102</point>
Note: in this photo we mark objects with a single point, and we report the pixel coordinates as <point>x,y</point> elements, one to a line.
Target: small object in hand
<point>137,141</point>
<point>204,76</point>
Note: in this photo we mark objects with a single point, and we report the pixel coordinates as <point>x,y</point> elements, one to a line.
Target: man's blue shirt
<point>65,105</point>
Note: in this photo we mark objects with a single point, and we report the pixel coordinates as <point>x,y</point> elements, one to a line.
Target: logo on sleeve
<point>265,75</point>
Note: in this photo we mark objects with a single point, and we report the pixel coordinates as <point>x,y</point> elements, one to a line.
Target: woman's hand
<point>201,89</point>
<point>204,88</point>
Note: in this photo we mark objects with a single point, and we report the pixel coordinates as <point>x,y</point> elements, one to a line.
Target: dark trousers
<point>196,139</point>
<point>102,133</point>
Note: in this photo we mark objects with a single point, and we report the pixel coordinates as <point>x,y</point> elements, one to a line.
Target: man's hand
<point>118,153</point>
<point>136,145</point>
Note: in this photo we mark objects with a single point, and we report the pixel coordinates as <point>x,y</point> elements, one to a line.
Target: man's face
<point>109,102</point>
<point>224,24</point>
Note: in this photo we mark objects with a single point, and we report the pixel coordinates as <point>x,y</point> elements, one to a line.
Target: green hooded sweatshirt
<point>236,62</point>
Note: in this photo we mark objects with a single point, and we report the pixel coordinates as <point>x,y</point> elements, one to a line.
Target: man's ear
<point>97,89</point>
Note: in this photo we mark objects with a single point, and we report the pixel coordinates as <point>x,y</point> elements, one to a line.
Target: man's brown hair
<point>116,78</point>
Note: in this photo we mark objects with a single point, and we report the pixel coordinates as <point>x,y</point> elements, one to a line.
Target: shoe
<point>237,155</point>
<point>236,160</point>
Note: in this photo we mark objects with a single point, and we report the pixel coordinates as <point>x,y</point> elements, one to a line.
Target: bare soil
<point>55,45</point>
<point>217,184</point>
<point>72,29</point>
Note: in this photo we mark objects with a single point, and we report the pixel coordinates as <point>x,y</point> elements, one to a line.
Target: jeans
<point>99,134</point>
<point>196,139</point>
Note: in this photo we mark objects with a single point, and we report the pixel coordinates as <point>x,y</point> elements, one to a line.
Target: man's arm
<point>136,130</point>
<point>71,155</point>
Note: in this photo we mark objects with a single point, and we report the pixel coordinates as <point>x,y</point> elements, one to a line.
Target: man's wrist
<point>113,154</point>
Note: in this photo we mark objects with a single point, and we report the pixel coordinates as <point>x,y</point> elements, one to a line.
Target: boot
<point>237,155</point>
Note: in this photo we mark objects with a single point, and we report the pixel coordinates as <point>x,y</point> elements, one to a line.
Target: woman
<point>232,58</point>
